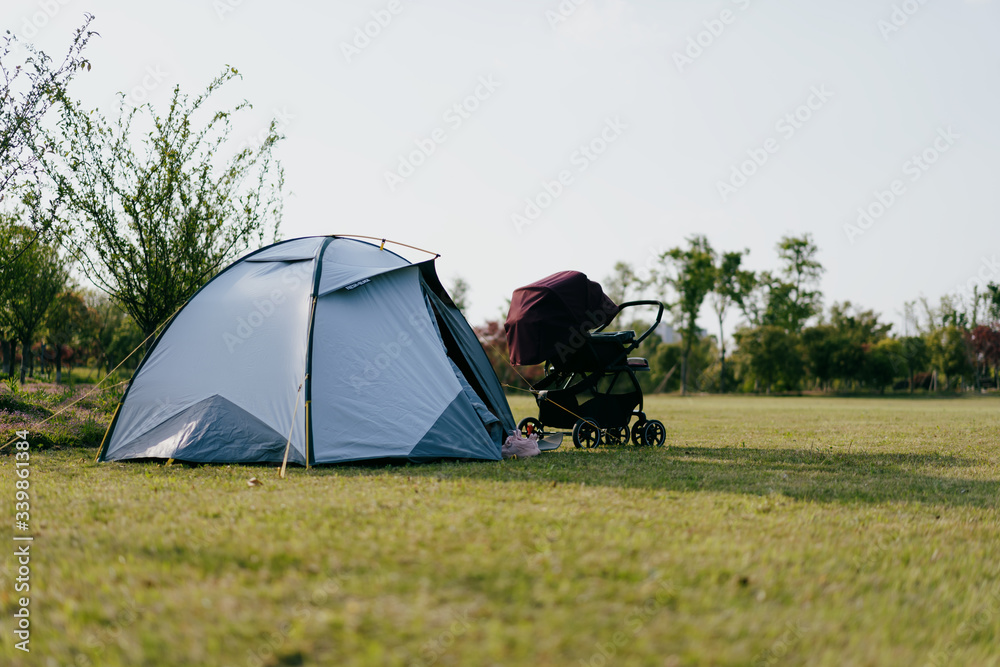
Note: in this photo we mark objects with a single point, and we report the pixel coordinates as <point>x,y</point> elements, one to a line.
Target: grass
<point>58,416</point>
<point>769,531</point>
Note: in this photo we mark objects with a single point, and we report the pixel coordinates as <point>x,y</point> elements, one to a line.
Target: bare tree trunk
<point>25,361</point>
<point>8,356</point>
<point>58,353</point>
<point>722,359</point>
<point>684,374</point>
<point>684,363</point>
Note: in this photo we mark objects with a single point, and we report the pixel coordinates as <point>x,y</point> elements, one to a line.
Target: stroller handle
<point>630,304</point>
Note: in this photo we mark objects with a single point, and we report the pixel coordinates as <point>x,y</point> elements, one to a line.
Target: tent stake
<point>288,446</point>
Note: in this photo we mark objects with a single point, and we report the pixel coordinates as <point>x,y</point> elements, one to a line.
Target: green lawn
<point>770,531</point>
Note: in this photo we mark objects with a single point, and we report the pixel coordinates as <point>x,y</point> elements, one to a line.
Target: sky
<point>518,139</point>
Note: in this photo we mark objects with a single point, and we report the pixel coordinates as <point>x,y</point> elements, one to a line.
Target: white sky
<point>679,133</point>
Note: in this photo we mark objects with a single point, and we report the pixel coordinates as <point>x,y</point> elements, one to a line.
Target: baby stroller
<point>590,383</point>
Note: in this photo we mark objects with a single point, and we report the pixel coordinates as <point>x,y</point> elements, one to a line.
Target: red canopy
<point>550,312</point>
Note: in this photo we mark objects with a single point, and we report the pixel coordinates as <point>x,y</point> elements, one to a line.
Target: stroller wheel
<point>586,434</point>
<point>536,427</point>
<point>637,429</point>
<point>617,435</point>
<point>654,433</point>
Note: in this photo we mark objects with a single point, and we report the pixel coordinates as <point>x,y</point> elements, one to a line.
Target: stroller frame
<point>597,370</point>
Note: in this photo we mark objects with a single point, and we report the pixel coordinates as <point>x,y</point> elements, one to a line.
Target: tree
<point>664,360</point>
<point>823,344</point>
<point>459,293</point>
<point>914,357</point>
<point>949,353</point>
<point>879,368</point>
<point>984,347</point>
<point>854,330</point>
<point>753,291</point>
<point>993,302</point>
<point>773,356</point>
<point>691,274</point>
<point>494,341</point>
<point>766,299</point>
<point>28,90</point>
<point>977,302</point>
<point>113,334</point>
<point>727,291</point>
<point>620,283</point>
<point>795,301</point>
<point>150,225</point>
<point>8,223</point>
<point>36,277</point>
<point>64,320</point>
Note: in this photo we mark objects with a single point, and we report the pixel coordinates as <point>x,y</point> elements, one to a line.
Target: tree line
<point>787,340</point>
<point>147,205</point>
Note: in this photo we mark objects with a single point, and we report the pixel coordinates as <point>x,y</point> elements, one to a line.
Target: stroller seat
<point>599,351</point>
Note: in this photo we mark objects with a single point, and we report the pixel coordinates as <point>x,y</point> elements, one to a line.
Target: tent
<point>338,348</point>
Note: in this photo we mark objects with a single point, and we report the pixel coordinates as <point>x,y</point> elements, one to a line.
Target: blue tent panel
<point>458,433</point>
<point>210,431</point>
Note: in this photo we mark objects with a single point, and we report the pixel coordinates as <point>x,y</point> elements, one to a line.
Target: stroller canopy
<point>549,313</point>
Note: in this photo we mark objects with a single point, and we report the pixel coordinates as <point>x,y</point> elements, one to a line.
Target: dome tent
<point>333,346</point>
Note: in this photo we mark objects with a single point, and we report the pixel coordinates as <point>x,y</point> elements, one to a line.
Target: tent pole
<point>288,445</point>
<point>308,404</point>
<point>104,440</point>
<point>317,274</point>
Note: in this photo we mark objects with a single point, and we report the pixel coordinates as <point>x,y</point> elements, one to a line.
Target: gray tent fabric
<point>242,337</point>
<point>468,346</point>
<point>236,432</point>
<point>329,345</point>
